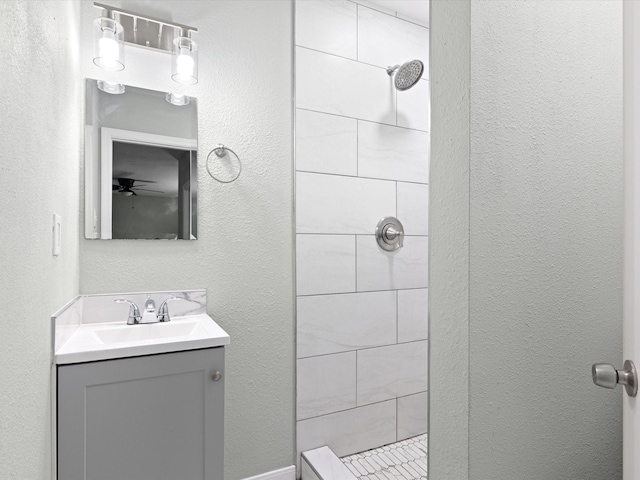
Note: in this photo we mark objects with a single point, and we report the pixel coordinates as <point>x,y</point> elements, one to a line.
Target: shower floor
<point>399,461</point>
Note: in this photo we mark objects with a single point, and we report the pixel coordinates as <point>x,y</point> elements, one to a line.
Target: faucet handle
<point>134,311</point>
<point>163,311</point>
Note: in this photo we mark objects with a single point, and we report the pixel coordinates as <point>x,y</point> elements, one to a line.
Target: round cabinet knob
<point>216,376</point>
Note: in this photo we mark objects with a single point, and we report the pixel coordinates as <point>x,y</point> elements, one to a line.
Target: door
<point>606,375</point>
<point>631,321</point>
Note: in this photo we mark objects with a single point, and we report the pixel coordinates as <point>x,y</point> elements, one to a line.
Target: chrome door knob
<point>605,375</point>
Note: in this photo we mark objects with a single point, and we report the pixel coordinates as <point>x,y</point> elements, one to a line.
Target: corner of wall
<point>449,243</point>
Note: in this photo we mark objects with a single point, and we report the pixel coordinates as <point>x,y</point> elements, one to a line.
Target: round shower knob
<point>389,234</point>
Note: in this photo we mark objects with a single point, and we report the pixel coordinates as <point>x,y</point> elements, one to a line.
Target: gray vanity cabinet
<point>157,417</point>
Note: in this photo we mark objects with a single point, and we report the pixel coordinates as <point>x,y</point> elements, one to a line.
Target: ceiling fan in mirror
<point>126,186</point>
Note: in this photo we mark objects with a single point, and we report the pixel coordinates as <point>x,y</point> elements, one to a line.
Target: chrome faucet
<point>149,315</point>
<point>163,312</point>
<point>134,311</point>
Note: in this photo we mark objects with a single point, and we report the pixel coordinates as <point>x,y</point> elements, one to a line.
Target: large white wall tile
<point>392,153</point>
<point>413,315</point>
<point>393,371</point>
<point>406,267</point>
<point>337,323</point>
<point>414,108</point>
<point>412,415</point>
<point>327,25</point>
<point>325,264</point>
<point>326,384</point>
<point>330,84</point>
<point>336,204</point>
<point>386,41</point>
<point>326,143</point>
<point>350,431</point>
<point>413,208</point>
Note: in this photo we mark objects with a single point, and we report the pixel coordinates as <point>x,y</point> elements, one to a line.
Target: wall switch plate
<point>57,234</point>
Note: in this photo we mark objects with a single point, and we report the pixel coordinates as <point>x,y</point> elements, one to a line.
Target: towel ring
<point>223,169</point>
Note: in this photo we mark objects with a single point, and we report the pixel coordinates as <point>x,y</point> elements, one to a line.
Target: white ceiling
<point>417,10</point>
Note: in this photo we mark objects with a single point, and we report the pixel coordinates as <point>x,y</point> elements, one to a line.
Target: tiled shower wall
<point>362,153</point>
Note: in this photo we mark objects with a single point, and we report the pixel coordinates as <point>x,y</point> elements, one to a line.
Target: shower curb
<point>322,464</point>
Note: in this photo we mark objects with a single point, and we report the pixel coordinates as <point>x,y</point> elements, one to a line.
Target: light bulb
<point>184,67</point>
<point>185,64</point>
<point>109,43</point>
<point>109,51</point>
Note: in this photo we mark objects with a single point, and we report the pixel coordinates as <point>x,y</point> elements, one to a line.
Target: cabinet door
<point>157,417</point>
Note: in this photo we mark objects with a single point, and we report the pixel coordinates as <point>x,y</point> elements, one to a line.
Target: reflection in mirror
<point>140,165</point>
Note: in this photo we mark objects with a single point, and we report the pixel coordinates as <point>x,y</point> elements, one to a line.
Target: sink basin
<point>110,340</point>
<point>146,332</point>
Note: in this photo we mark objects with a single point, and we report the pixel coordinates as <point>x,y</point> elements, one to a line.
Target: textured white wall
<point>540,278</point>
<point>546,238</point>
<point>449,242</point>
<point>243,255</point>
<point>40,129</point>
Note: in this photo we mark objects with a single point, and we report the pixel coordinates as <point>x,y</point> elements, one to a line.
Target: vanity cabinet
<point>155,417</point>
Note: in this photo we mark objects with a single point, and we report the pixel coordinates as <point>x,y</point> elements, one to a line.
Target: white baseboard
<point>287,473</point>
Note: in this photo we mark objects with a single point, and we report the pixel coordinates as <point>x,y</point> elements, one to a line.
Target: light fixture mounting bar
<point>147,31</point>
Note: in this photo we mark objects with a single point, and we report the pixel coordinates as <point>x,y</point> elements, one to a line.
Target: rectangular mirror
<point>140,164</point>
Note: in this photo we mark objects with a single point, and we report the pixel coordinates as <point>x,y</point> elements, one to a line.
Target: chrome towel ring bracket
<point>223,164</point>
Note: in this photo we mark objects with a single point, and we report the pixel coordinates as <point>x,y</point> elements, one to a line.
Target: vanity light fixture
<point>108,42</point>
<point>117,26</point>
<point>109,87</point>
<point>184,65</point>
<point>179,100</point>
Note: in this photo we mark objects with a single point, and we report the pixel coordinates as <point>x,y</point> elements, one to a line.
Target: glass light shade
<point>184,65</point>
<point>179,100</point>
<point>112,88</point>
<point>108,44</point>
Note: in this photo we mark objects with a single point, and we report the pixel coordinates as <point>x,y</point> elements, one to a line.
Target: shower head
<point>407,74</point>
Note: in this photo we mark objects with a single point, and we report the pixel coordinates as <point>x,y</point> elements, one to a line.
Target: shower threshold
<point>403,460</point>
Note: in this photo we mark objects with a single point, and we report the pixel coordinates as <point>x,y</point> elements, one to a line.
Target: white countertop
<point>104,341</point>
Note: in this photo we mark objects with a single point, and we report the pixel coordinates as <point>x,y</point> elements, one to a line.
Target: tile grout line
<point>358,148</point>
<point>355,239</point>
<point>356,378</point>
<point>397,199</point>
<point>363,178</point>
<point>359,235</point>
<point>362,119</point>
<point>357,32</point>
<point>358,407</point>
<point>413,22</point>
<point>385,345</point>
<point>403,457</point>
<point>354,292</point>
<point>397,316</point>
